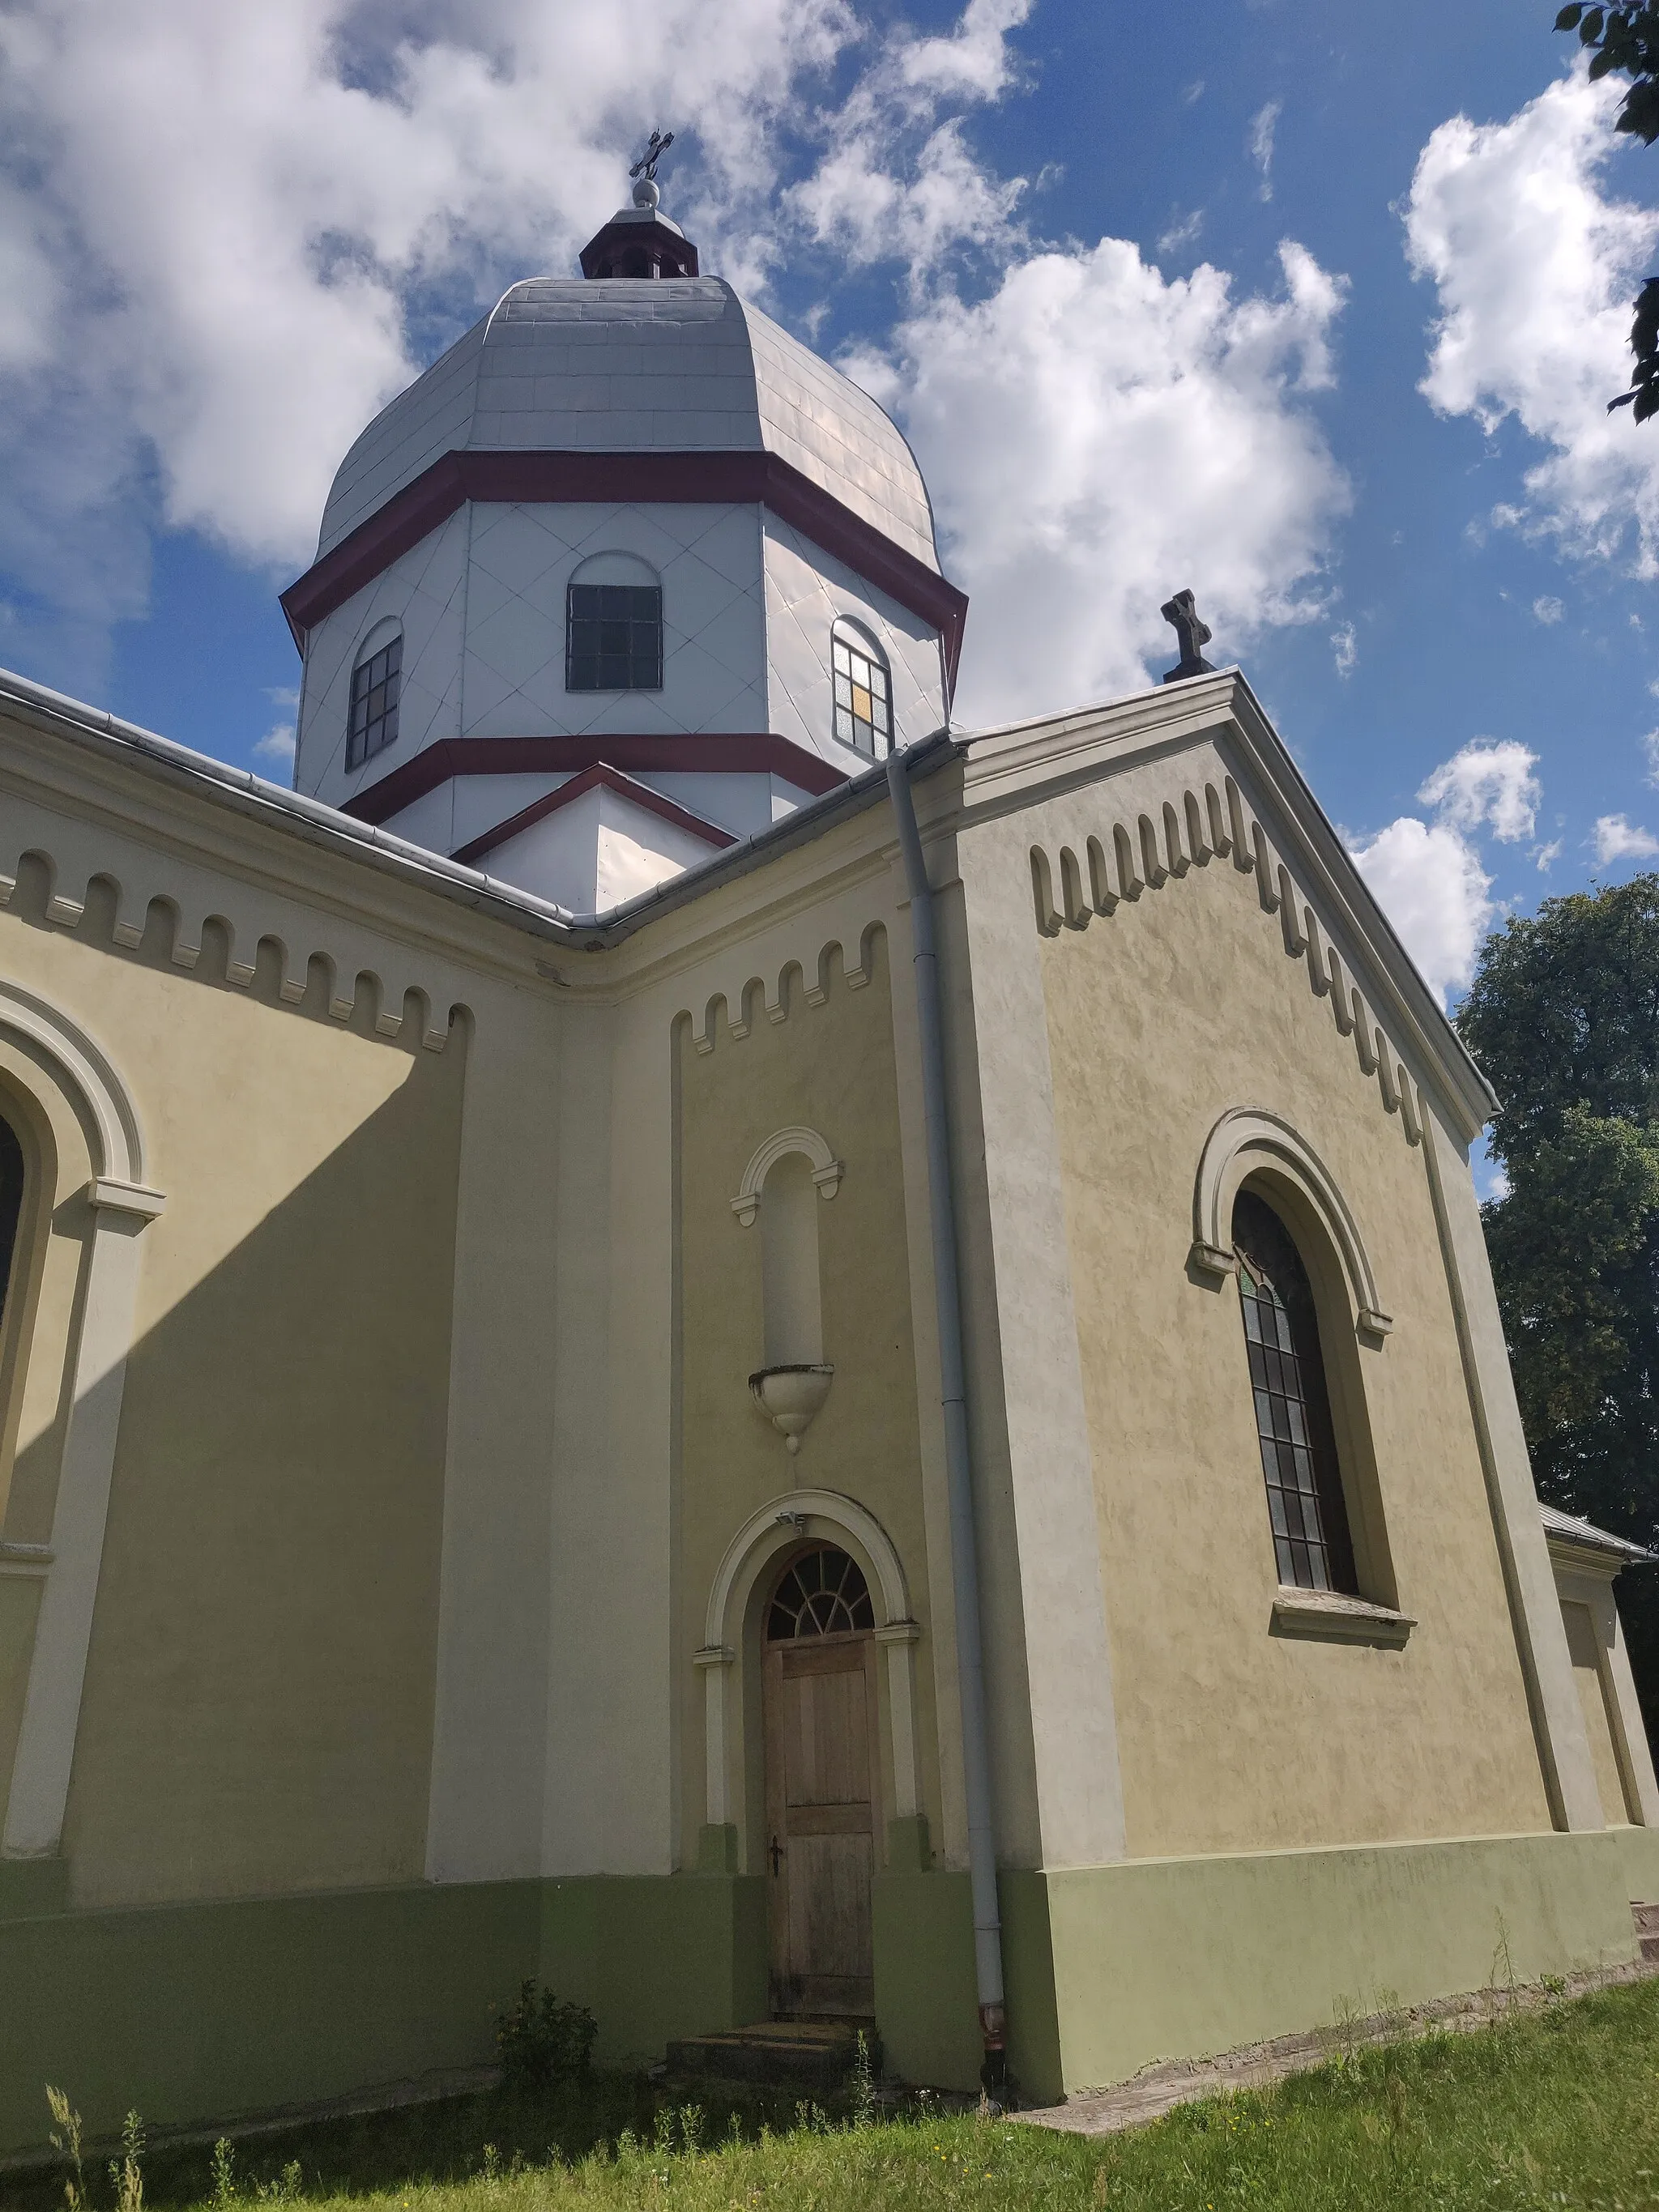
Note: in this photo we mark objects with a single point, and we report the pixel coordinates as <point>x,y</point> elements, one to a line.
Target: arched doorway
<point>822,1768</point>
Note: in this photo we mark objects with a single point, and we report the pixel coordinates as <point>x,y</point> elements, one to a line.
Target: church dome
<point>679,365</point>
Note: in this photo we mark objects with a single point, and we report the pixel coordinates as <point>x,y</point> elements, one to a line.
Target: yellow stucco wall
<point>1582,1642</point>
<point>256,1711</point>
<point>1162,1017</point>
<point>831,1069</point>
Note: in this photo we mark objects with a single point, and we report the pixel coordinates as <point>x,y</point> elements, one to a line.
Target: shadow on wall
<point>258,1704</point>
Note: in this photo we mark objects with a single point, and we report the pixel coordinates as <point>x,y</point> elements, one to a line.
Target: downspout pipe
<point>964,1548</point>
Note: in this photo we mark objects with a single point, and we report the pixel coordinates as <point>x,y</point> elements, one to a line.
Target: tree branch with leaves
<point>1626,41</point>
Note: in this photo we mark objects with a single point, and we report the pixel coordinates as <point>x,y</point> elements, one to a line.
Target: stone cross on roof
<point>1191,633</point>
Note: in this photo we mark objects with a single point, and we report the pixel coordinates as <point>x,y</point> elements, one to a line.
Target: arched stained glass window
<point>1292,1407</point>
<point>864,699</point>
<point>822,1594</point>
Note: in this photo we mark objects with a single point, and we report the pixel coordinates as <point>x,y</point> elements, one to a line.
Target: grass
<point>1557,2109</point>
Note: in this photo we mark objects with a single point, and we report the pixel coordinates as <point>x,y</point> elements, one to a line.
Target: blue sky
<point>1140,286</point>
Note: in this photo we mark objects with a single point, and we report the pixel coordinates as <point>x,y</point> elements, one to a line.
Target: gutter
<point>295,815</point>
<point>953,1400</point>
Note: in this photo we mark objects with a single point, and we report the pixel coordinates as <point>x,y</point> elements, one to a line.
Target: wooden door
<point>821,1766</point>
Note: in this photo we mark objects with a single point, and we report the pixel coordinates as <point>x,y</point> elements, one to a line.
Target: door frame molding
<point>782,1522</point>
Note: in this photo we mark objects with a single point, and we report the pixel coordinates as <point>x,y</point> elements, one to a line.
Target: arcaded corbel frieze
<point>175,903</point>
<point>735,999</point>
<point>826,1170</point>
<point>1121,861</point>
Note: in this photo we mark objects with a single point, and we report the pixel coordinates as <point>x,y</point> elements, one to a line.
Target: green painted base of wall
<point>657,1957</point>
<point>1180,1957</point>
<point>926,2007</point>
<point>31,1887</point>
<point>200,2012</point>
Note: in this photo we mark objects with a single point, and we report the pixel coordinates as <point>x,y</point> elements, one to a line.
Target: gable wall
<point>1182,1004</point>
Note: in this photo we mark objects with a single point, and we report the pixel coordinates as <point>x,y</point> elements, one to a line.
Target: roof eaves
<point>1569,1528</point>
<point>294,814</point>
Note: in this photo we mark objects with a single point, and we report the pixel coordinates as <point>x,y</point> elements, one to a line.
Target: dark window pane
<point>372,725</point>
<point>822,1594</point>
<point>1305,1506</point>
<point>614,638</point>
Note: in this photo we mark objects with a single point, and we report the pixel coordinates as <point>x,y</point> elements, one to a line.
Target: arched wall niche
<point>1250,1148</point>
<point>66,1367</point>
<point>786,1179</point>
<point>734,1796</point>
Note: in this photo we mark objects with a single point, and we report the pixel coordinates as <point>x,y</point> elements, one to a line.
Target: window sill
<point>1338,1618</point>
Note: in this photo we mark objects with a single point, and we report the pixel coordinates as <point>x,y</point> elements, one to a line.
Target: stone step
<point>773,2054</point>
<point>1646,1917</point>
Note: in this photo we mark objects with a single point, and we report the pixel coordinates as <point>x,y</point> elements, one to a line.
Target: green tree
<point>1564,1017</point>
<point>1625,41</point>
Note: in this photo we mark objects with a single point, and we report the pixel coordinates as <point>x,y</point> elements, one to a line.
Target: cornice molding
<point>544,479</point>
<point>600,777</point>
<point>695,753</point>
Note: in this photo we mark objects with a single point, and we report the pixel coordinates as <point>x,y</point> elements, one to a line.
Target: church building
<point>681,1329</point>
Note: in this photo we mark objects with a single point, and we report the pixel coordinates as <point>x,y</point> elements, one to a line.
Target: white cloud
<point>1427,875</point>
<point>1487,784</point>
<point>278,745</point>
<point>974,60</point>
<point>1263,124</point>
<point>338,189</point>
<point>896,182</point>
<point>227,236</point>
<point>1650,747</point>
<point>1343,649</point>
<point>1618,839</point>
<point>1548,610</point>
<point>1096,437</point>
<point>1182,230</point>
<point>1545,856</point>
<point>1428,881</point>
<point>1535,264</point>
<point>220,229</point>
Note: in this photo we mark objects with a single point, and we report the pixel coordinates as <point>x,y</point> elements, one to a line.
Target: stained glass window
<point>864,707</point>
<point>374,686</point>
<point>1292,1408</point>
<point>822,1594</point>
<point>613,638</point>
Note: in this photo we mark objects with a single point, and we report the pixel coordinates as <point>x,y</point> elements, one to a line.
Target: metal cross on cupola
<point>1191,634</point>
<point>655,149</point>
<point>640,241</point>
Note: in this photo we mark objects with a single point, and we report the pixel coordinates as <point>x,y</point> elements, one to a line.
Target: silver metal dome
<point>682,365</point>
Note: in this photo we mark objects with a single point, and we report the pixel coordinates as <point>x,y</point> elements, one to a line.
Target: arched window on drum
<point>863,690</point>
